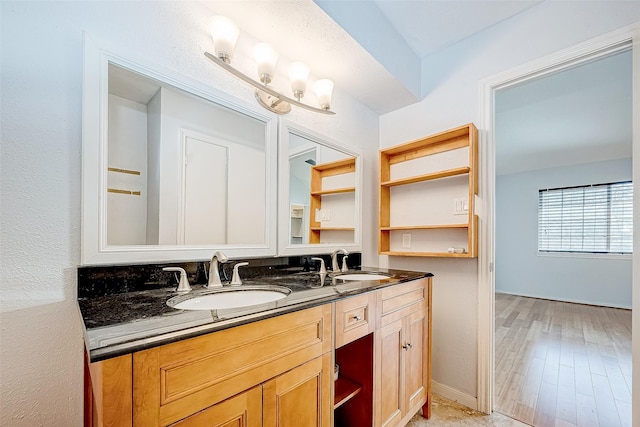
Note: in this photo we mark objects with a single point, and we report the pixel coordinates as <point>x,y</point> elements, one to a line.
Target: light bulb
<point>225,35</point>
<point>324,90</point>
<point>266,59</point>
<point>298,73</point>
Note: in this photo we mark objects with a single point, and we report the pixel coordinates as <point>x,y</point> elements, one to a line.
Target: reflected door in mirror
<point>195,171</point>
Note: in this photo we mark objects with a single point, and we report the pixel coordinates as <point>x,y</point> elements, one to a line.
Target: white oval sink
<point>362,276</point>
<point>229,299</point>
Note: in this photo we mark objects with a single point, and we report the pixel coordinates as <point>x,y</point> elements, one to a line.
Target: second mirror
<point>320,210</point>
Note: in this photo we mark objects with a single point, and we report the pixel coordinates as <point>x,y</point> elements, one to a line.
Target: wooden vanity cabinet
<point>279,372</point>
<point>170,383</point>
<point>403,353</point>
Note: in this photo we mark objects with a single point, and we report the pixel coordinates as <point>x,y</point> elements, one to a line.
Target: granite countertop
<point>122,323</point>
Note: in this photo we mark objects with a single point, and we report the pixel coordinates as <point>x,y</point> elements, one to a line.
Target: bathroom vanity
<point>265,365</point>
<point>288,192</point>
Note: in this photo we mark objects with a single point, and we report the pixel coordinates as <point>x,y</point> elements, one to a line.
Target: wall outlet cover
<point>406,241</point>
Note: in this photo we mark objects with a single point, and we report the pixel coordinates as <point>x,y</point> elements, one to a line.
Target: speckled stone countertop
<point>121,323</point>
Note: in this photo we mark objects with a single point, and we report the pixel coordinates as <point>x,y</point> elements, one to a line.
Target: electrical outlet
<point>406,241</point>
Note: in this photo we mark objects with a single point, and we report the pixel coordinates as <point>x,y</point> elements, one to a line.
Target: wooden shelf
<point>456,150</point>
<point>334,191</point>
<point>333,229</point>
<point>345,389</point>
<point>337,167</point>
<point>426,177</point>
<point>425,227</point>
<point>428,254</point>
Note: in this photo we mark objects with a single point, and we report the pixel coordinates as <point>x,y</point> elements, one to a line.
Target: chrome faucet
<point>214,275</point>
<point>334,259</point>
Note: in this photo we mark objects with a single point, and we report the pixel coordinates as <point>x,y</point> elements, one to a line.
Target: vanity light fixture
<point>225,34</point>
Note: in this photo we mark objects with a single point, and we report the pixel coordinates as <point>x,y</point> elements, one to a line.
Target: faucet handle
<point>344,268</point>
<point>184,282</point>
<point>235,279</point>
<point>323,269</point>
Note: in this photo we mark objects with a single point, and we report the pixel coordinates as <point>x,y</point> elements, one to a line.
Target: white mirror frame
<point>285,248</point>
<point>94,165</point>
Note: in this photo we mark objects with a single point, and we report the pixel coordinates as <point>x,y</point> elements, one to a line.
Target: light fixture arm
<point>264,88</point>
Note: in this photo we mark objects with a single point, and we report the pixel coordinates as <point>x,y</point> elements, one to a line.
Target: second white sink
<point>228,298</point>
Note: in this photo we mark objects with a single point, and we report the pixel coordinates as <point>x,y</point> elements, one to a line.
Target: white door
<point>204,190</point>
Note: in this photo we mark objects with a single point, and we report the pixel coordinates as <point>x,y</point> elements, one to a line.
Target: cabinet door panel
<point>243,410</point>
<point>390,369</point>
<point>416,367</point>
<point>300,397</point>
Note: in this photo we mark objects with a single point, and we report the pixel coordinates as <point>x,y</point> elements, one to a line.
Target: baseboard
<point>569,300</point>
<point>455,395</point>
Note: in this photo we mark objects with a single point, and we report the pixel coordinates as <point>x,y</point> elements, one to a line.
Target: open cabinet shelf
<point>344,390</point>
<point>426,187</point>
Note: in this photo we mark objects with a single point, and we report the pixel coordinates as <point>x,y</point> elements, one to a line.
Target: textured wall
<point>41,337</point>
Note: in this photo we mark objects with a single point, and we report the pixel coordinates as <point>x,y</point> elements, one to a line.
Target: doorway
<point>602,47</point>
<point>560,139</point>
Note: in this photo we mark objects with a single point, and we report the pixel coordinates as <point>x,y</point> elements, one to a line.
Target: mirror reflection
<point>182,170</point>
<point>322,193</point>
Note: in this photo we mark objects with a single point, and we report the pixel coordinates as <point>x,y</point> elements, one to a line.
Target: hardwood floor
<point>562,364</point>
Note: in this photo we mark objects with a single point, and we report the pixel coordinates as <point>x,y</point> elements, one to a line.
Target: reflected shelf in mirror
<point>322,197</point>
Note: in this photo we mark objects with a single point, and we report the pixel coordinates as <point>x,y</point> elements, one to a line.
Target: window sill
<point>585,255</point>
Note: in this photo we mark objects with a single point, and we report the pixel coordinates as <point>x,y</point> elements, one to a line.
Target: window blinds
<point>591,219</point>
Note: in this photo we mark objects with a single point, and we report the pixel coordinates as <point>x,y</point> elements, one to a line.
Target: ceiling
<point>375,50</point>
<point>364,44</point>
<point>580,115</point>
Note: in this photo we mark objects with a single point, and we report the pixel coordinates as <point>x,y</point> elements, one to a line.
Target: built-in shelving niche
<point>427,190</point>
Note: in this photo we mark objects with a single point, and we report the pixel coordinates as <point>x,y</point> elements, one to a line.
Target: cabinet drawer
<point>396,302</point>
<point>355,318</point>
<point>176,380</point>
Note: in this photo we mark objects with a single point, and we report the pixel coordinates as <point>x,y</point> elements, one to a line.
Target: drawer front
<point>396,302</point>
<point>355,318</point>
<point>179,379</point>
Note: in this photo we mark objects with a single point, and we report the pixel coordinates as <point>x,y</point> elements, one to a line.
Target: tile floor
<point>445,412</point>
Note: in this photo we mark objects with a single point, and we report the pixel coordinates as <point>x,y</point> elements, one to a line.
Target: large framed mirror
<point>320,193</point>
<point>172,169</point>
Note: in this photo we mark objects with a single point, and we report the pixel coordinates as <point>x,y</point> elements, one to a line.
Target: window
<point>586,219</point>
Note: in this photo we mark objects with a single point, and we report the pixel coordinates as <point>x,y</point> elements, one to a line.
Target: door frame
<point>599,47</point>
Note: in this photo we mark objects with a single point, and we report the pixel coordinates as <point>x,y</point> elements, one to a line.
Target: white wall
<point>451,80</point>
<point>127,213</point>
<point>520,270</point>
<point>41,347</point>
